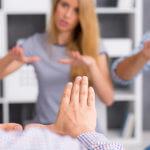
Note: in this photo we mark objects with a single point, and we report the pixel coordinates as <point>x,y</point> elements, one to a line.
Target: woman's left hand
<point>76,59</point>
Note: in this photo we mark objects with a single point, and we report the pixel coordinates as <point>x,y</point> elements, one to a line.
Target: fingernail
<point>17,128</point>
<point>70,83</point>
<point>85,78</point>
<point>91,89</point>
<point>79,78</point>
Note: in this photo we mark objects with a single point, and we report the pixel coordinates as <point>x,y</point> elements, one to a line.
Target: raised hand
<point>146,50</point>
<point>17,54</point>
<point>77,113</point>
<point>76,59</point>
<point>11,127</point>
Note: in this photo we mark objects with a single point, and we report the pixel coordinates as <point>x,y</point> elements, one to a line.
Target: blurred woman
<point>71,47</point>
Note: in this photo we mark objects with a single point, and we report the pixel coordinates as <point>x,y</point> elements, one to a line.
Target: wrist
<point>54,129</point>
<point>80,132</point>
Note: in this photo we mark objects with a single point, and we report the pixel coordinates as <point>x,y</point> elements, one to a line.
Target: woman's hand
<point>17,54</point>
<point>76,59</point>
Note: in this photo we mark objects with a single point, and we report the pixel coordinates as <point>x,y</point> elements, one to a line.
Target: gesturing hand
<point>76,59</point>
<point>77,113</point>
<point>17,54</point>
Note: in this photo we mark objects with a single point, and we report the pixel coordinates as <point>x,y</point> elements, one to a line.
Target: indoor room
<point>53,52</point>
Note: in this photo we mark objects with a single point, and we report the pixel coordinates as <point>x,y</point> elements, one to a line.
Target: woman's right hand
<point>16,53</point>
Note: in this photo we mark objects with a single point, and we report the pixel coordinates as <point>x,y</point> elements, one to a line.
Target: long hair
<point>85,38</point>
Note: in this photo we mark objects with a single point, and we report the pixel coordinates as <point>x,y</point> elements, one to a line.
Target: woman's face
<point>67,15</point>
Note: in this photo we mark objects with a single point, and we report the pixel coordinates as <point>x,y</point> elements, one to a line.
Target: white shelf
<point>25,12</point>
<point>119,97</point>
<point>23,80</point>
<point>113,10</point>
<point>114,136</point>
<point>122,96</point>
<point>143,144</point>
<point>1,100</point>
<point>118,47</point>
<point>20,101</point>
<point>24,6</point>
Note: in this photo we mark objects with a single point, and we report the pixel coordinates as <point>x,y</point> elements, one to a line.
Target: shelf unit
<point>131,95</point>
<point>36,19</point>
<point>112,10</point>
<point>132,23</point>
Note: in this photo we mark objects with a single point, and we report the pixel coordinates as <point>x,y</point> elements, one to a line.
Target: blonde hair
<point>85,38</point>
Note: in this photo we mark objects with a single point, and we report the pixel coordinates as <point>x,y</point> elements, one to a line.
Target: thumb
<point>32,59</point>
<point>65,61</point>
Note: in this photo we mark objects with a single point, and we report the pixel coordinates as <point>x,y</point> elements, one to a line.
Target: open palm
<point>17,54</point>
<point>76,59</point>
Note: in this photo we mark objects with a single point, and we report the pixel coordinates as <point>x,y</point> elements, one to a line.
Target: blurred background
<point>122,22</point>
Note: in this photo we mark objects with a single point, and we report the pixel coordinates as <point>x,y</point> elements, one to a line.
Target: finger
<point>31,60</point>
<point>77,56</point>
<point>17,53</point>
<point>77,53</point>
<point>20,54</point>
<point>18,127</point>
<point>67,94</point>
<point>73,54</point>
<point>10,52</point>
<point>75,90</point>
<point>80,57</point>
<point>65,61</point>
<point>84,91</point>
<point>13,52</point>
<point>18,47</point>
<point>35,125</point>
<point>11,127</point>
<point>20,51</point>
<point>91,97</point>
